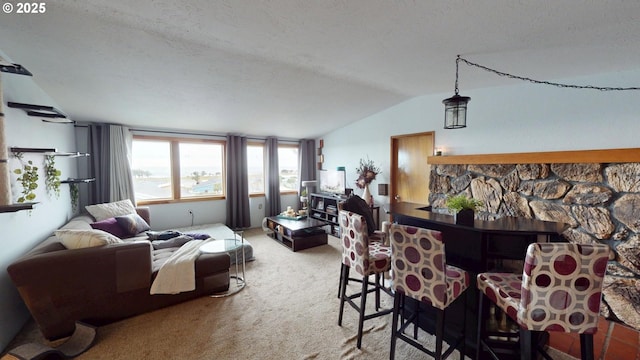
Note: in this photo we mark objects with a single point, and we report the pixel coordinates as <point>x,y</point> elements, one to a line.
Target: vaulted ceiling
<point>297,68</point>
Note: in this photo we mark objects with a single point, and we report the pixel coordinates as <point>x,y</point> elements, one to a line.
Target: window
<point>175,169</point>
<point>289,172</point>
<point>255,168</point>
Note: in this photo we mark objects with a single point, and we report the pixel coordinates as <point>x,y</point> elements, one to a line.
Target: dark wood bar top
<point>505,225</point>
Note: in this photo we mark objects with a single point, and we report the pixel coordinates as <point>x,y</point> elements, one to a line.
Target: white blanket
<point>178,273</point>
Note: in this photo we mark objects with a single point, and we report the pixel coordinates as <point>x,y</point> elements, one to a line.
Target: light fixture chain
<point>457,61</point>
<point>538,81</point>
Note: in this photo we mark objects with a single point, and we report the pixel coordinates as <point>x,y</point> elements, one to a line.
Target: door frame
<point>393,163</point>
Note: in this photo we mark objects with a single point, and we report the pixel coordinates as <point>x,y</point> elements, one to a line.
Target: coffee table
<point>229,246</point>
<point>298,234</point>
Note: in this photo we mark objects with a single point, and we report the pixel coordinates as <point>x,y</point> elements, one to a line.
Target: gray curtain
<point>99,164</point>
<point>110,149</point>
<point>272,188</point>
<point>237,179</point>
<point>307,161</point>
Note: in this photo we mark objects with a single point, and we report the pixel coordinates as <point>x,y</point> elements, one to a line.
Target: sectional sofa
<point>105,283</point>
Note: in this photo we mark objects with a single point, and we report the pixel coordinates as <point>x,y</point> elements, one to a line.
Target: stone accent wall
<point>599,202</point>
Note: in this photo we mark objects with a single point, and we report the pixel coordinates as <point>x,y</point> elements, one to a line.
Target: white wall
<point>22,230</point>
<point>522,117</point>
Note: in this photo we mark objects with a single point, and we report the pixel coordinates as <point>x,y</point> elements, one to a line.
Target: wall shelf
<point>16,207</point>
<point>548,157</point>
<point>48,113</point>
<point>77,181</point>
<point>13,68</point>
<point>47,151</point>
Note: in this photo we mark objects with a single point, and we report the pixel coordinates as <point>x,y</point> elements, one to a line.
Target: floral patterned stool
<point>559,290</point>
<point>366,259</point>
<point>419,271</point>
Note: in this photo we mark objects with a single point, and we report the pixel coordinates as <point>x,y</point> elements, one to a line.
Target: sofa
<point>102,284</point>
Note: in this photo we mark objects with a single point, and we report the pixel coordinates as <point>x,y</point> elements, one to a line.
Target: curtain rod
<point>206,134</point>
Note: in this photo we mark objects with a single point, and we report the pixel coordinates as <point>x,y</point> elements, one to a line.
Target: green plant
<point>75,194</point>
<point>28,179</point>
<point>462,202</point>
<point>51,176</point>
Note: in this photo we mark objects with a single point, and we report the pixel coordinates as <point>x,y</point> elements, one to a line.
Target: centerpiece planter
<point>463,209</point>
<point>465,217</point>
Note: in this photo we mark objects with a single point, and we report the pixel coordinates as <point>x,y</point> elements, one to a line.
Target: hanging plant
<point>28,179</point>
<point>73,191</point>
<point>52,176</point>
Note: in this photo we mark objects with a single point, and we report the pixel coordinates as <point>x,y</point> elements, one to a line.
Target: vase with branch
<point>367,172</point>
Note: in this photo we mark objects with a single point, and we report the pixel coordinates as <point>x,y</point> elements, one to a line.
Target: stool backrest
<point>418,265</point>
<point>355,241</point>
<point>562,287</point>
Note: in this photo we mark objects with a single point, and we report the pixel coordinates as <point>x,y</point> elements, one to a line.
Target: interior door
<point>409,168</point>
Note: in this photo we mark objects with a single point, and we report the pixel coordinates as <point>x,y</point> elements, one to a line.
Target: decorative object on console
<point>367,172</point>
<point>463,208</point>
<point>307,184</point>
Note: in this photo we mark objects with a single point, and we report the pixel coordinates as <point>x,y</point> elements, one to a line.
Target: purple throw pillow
<point>111,226</point>
<point>132,224</point>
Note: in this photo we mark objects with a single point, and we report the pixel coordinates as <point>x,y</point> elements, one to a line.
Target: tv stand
<point>324,207</point>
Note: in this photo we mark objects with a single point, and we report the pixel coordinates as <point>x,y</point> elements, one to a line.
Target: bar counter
<point>476,249</point>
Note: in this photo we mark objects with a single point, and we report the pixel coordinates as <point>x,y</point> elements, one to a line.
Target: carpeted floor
<point>288,310</point>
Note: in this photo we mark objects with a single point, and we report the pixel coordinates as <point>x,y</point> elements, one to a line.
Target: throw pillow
<point>132,224</point>
<point>78,239</point>
<point>111,226</point>
<point>108,210</point>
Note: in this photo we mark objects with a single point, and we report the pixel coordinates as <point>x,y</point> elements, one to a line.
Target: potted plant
<point>463,208</point>
<point>28,179</point>
<point>52,176</point>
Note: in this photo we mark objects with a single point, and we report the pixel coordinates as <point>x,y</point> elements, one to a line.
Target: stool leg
<point>439,333</point>
<point>397,298</point>
<point>340,282</point>
<point>377,287</point>
<point>527,347</point>
<point>416,319</point>
<point>586,346</point>
<point>480,331</point>
<point>343,282</point>
<point>363,303</point>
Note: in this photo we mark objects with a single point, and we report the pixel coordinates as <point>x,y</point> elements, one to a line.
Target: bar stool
<point>559,290</point>
<point>419,271</point>
<point>366,259</point>
<point>357,205</point>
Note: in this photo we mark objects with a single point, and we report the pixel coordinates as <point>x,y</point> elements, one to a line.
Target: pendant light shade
<point>455,112</point>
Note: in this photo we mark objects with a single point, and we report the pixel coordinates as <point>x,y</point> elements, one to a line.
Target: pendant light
<point>455,107</point>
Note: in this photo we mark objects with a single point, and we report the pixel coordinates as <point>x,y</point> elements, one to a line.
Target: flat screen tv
<point>333,182</point>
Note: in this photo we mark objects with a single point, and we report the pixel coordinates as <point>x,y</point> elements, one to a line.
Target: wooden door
<point>409,168</point>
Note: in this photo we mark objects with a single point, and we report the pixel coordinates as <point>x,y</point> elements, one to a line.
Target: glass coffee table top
<point>220,246</point>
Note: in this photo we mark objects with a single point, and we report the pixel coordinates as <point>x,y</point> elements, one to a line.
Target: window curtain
<point>237,179</point>
<point>306,161</point>
<point>110,149</point>
<point>272,188</point>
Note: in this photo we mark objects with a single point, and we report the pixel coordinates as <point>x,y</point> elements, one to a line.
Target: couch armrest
<point>76,282</point>
<point>144,213</point>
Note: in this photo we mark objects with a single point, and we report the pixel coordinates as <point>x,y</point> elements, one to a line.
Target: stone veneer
<point>599,202</point>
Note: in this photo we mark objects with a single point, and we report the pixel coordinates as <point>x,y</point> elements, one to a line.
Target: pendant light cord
<point>458,59</point>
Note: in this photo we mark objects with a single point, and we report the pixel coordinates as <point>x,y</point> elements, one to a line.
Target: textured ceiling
<point>300,68</point>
